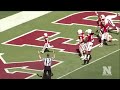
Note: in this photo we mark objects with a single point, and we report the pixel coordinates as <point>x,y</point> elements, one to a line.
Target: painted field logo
<point>35,38</point>
<point>82,18</point>
<point>107,71</point>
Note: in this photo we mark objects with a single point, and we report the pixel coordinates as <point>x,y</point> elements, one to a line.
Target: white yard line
<point>19,18</point>
<point>87,64</point>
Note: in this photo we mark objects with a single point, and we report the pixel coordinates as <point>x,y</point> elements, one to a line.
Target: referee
<point>47,66</point>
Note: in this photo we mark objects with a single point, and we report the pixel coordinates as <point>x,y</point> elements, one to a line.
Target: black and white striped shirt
<point>47,61</point>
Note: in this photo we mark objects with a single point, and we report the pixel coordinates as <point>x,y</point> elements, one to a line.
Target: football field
<point>21,36</point>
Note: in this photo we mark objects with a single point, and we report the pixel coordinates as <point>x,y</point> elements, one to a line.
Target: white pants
<point>89,46</point>
<point>104,36</point>
<point>82,47</point>
<point>47,45</point>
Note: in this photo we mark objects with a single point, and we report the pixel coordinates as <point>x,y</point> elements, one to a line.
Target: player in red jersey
<point>104,33</point>
<point>108,20</point>
<point>81,37</point>
<point>105,36</point>
<point>99,20</point>
<point>89,43</point>
<point>47,43</point>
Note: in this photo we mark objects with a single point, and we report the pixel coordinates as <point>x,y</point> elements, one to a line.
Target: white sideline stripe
<point>87,64</point>
<point>19,18</point>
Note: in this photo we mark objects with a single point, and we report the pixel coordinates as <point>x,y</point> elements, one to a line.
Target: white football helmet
<point>45,34</point>
<point>79,31</point>
<point>102,16</point>
<point>89,31</point>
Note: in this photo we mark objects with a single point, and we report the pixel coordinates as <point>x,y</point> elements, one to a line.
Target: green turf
<point>93,18</point>
<point>95,70</point>
<point>29,53</point>
<point>4,14</point>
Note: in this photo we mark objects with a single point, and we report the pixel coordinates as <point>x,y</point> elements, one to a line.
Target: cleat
<point>105,43</point>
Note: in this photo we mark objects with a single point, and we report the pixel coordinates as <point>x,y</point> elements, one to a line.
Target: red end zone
<point>82,18</point>
<point>34,39</point>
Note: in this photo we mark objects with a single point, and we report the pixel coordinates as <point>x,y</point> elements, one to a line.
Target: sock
<point>84,61</point>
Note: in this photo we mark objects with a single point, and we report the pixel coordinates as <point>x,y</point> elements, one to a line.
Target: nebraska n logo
<point>107,71</point>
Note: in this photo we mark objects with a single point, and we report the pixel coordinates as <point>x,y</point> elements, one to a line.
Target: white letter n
<point>107,70</point>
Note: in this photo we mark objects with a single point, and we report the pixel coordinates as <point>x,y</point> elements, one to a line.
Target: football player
<point>98,21</point>
<point>103,33</point>
<point>89,43</point>
<point>108,20</point>
<point>105,36</point>
<point>81,37</point>
<point>47,43</point>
